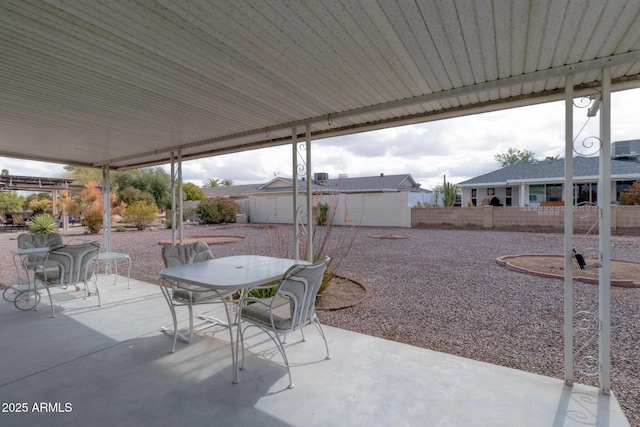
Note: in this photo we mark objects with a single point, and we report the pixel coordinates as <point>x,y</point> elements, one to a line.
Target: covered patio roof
<point>124,84</point>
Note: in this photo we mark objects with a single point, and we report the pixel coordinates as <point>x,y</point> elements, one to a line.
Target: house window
<point>474,197</point>
<point>587,193</point>
<point>554,192</point>
<point>507,199</point>
<point>536,193</point>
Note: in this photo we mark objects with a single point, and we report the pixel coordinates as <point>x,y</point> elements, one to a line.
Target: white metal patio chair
<point>292,307</point>
<point>30,241</point>
<point>66,265</point>
<point>183,294</point>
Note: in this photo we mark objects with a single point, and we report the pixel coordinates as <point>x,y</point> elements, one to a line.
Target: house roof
<point>553,171</point>
<point>126,83</point>
<point>379,183</point>
<point>367,184</point>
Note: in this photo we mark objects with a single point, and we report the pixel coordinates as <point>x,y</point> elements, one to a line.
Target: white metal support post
<point>106,208</point>
<point>294,189</point>
<point>173,199</point>
<point>604,203</point>
<point>309,198</point>
<point>568,231</point>
<point>176,205</point>
<point>180,200</point>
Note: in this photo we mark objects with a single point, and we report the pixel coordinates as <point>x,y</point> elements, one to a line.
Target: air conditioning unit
<point>320,177</point>
<point>625,149</point>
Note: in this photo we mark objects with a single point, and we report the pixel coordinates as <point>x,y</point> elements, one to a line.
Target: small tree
<point>141,214</point>
<point>89,204</point>
<point>212,182</point>
<point>40,206</point>
<point>513,156</point>
<point>191,191</point>
<point>10,201</point>
<point>216,210</point>
<point>631,195</point>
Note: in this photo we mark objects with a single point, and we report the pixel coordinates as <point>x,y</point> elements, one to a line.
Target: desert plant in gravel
<point>42,224</point>
<point>217,210</point>
<point>141,214</point>
<point>324,245</point>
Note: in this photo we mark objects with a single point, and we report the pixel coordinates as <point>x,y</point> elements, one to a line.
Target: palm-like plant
<point>42,224</point>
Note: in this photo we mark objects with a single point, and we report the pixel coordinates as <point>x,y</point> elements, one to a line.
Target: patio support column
<point>604,203</point>
<point>568,231</point>
<point>180,201</point>
<point>173,199</point>
<point>294,188</point>
<point>106,208</point>
<point>309,197</point>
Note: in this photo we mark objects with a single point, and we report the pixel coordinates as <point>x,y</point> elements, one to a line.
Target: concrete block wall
<point>624,219</point>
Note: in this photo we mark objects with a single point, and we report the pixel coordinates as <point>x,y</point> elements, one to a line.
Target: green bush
<point>321,213</point>
<point>141,214</point>
<point>217,210</point>
<point>93,221</point>
<point>43,224</point>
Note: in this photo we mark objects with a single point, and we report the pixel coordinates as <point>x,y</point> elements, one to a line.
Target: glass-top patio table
<point>230,273</point>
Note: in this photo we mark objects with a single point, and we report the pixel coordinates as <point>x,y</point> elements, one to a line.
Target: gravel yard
<point>438,289</point>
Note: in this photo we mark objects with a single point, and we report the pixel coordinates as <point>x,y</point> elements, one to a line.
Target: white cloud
<point>459,148</point>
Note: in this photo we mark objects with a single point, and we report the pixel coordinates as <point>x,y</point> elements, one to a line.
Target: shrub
<point>141,214</point>
<point>121,228</point>
<point>631,196</point>
<point>217,210</point>
<point>43,224</point>
<point>321,212</point>
<point>93,221</point>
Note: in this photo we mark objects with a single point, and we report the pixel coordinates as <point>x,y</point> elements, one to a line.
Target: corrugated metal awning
<point>124,83</point>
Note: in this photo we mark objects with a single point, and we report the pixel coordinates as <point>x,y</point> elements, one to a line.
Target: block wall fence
<point>624,219</point>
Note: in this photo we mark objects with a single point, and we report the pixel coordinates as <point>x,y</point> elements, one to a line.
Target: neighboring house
<point>542,182</point>
<point>373,200</point>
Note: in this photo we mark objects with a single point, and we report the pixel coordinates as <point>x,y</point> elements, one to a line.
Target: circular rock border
<point>504,261</point>
<point>367,294</point>
<point>210,240</point>
<point>389,236</point>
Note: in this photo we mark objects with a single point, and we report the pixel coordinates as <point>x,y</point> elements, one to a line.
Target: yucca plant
<point>43,224</point>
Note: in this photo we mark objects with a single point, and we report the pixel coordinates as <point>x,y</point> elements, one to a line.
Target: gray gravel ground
<point>439,289</point>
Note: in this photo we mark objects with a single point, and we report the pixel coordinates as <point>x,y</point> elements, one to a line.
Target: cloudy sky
<point>460,148</point>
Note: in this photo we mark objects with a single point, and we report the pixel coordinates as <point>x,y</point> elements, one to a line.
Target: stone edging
<point>367,293</point>
<point>504,261</point>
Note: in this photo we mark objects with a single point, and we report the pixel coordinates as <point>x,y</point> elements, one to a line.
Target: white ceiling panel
<point>126,83</point>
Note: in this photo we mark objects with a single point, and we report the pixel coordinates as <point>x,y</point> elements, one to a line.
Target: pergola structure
<point>122,84</point>
<point>40,184</point>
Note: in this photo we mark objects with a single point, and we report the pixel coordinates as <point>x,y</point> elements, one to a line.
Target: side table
<point>106,258</point>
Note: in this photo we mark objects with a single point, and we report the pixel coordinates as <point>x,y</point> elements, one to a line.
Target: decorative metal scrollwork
<point>586,326</point>
<point>584,101</point>
<point>589,146</point>
<point>301,164</point>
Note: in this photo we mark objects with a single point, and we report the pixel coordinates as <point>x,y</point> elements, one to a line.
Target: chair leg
<point>280,346</point>
<point>318,325</point>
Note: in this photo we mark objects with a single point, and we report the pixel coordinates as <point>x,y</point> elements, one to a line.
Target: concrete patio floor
<point>109,365</point>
